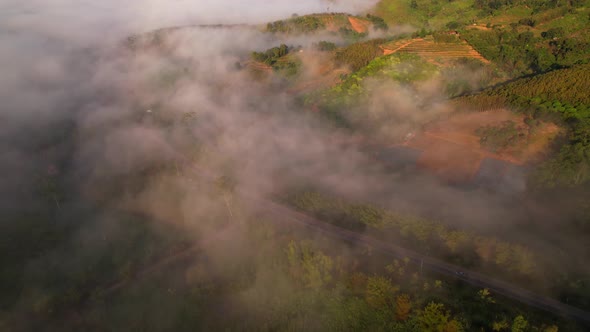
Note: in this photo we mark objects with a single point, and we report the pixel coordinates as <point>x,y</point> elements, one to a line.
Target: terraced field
<point>432,50</point>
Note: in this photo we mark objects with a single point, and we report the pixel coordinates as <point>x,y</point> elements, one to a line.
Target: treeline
<point>430,237</point>
<point>378,22</point>
<point>317,285</point>
<point>315,22</point>
<point>399,297</point>
<point>537,5</point>
<point>298,24</point>
<point>271,55</point>
<point>521,52</point>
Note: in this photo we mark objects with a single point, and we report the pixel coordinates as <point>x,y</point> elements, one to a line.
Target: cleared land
<point>358,25</point>
<point>431,50</point>
<point>452,147</point>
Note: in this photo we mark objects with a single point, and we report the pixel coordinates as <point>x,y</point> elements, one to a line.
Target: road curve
<point>434,265</point>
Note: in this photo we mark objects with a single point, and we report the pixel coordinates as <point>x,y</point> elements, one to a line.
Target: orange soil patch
<point>359,26</point>
<point>447,160</point>
<point>461,129</point>
<point>452,149</point>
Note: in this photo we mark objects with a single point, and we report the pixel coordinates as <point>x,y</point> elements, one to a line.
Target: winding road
<point>287,214</point>
<point>435,265</point>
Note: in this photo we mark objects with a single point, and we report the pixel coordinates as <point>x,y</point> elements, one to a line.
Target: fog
<point>77,103</point>
<point>79,20</point>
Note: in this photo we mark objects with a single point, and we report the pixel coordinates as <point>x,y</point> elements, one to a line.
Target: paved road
<point>432,264</point>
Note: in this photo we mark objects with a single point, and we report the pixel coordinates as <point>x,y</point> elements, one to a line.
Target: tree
<point>380,291</point>
<point>500,325</point>
<point>485,295</point>
<point>520,324</point>
<point>403,307</point>
<point>312,268</point>
<point>551,328</point>
<point>434,318</point>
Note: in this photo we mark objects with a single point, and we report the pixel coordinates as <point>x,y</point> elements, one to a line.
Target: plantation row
<point>432,49</point>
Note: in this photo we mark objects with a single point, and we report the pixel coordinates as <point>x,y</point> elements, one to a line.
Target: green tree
<point>520,324</point>
<point>551,328</point>
<point>403,307</point>
<point>312,268</point>
<point>380,292</point>
<point>434,318</point>
<point>500,325</point>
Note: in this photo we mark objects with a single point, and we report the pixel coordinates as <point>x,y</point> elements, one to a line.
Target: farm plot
<point>432,50</point>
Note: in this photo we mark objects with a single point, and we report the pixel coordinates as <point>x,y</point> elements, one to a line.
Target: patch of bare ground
<point>358,25</point>
<point>452,148</point>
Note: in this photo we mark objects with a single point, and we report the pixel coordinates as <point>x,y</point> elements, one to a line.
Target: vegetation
<point>325,46</point>
<point>351,36</point>
<point>433,238</point>
<point>560,95</point>
<point>271,55</point>
<point>299,24</point>
<point>378,22</point>
<point>358,55</point>
<point>495,138</point>
<point>522,37</point>
<point>118,281</point>
<point>338,103</point>
<point>280,59</point>
<point>98,266</point>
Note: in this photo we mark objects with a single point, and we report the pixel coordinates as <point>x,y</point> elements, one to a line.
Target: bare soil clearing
<point>358,25</point>
<point>452,149</point>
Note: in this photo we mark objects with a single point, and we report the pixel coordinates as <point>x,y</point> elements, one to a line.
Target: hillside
<point>568,86</point>
<point>561,95</point>
<point>342,23</point>
<point>522,37</point>
<point>420,166</point>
